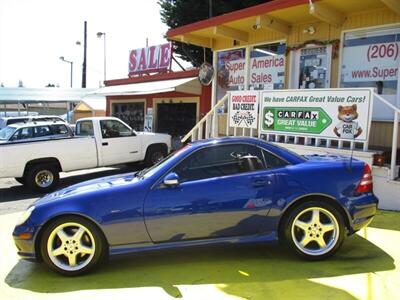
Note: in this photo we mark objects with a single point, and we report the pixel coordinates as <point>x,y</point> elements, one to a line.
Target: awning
<point>189,85</point>
<point>92,102</point>
<point>275,19</point>
<point>34,95</point>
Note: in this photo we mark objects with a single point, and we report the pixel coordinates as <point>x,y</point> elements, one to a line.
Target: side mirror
<point>172,179</point>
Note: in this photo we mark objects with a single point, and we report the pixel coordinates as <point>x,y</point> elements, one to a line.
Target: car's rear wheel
<point>42,178</point>
<point>72,245</point>
<point>314,230</point>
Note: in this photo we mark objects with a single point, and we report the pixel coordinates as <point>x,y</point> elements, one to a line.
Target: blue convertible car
<point>229,190</point>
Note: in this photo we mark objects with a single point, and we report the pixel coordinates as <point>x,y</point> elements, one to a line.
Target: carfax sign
<point>243,109</point>
<point>324,113</point>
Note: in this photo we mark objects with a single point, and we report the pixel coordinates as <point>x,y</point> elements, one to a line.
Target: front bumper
<point>26,247</point>
<point>362,209</point>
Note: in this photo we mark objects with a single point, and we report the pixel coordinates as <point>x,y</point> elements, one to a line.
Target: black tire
<point>84,262</point>
<point>154,154</point>
<point>20,180</point>
<point>307,239</point>
<point>34,173</point>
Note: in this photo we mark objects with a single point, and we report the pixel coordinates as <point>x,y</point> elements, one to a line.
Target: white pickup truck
<point>98,142</point>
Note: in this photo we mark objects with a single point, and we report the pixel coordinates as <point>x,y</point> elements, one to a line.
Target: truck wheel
<point>154,154</point>
<point>42,178</point>
<point>20,180</point>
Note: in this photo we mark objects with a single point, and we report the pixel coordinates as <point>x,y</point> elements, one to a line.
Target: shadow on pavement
<point>20,192</point>
<point>254,272</point>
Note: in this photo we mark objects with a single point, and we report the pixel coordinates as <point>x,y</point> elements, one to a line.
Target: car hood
<point>85,187</point>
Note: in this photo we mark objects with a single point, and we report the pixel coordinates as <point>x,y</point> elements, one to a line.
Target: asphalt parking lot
<point>367,267</point>
<point>15,197</point>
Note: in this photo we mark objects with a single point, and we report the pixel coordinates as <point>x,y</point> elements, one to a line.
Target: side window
<point>22,134</point>
<point>14,121</point>
<point>219,161</point>
<point>273,161</point>
<point>84,128</point>
<point>41,131</point>
<point>60,129</point>
<point>113,129</point>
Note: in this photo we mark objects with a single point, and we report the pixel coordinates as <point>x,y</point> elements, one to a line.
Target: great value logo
<point>295,119</point>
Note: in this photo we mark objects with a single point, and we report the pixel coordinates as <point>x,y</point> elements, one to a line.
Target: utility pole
<point>210,12</point>
<point>84,56</point>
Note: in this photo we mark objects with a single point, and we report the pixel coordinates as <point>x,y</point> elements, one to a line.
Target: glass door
<point>312,67</point>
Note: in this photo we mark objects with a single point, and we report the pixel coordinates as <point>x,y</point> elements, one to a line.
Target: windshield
<point>153,169</point>
<point>7,132</point>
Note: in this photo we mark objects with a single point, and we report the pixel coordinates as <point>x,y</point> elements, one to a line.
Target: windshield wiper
<point>141,173</point>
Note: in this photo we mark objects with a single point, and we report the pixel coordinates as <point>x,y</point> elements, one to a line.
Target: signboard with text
<point>264,71</point>
<point>150,60</point>
<point>324,113</point>
<point>243,109</point>
<point>373,62</point>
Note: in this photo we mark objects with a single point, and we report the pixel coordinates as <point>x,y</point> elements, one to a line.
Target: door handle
<point>105,143</point>
<point>261,182</point>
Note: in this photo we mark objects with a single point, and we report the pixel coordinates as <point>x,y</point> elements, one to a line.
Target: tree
<point>176,13</point>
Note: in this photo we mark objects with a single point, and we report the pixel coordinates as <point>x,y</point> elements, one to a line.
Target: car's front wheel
<point>314,230</point>
<point>72,245</point>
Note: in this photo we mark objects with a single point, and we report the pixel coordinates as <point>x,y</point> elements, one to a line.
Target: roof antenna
<point>352,152</point>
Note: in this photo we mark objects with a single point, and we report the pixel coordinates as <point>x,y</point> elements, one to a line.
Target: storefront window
<point>131,113</point>
<point>370,58</point>
<point>267,67</point>
<point>231,71</point>
<point>314,67</point>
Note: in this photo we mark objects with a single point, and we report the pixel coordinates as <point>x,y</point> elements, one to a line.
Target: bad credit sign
<point>151,59</point>
<point>325,113</point>
<point>243,109</point>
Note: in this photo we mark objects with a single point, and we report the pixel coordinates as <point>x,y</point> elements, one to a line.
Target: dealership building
<point>155,98</point>
<point>308,45</point>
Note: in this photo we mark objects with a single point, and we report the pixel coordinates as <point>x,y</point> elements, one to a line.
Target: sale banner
<point>150,59</point>
<point>325,113</point>
<point>373,62</point>
<point>243,109</point>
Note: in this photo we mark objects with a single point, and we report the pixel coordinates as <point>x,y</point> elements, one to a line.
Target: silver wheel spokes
<point>315,231</point>
<point>71,246</point>
<point>44,178</point>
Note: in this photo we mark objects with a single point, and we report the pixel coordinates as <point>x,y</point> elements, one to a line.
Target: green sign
<point>295,119</point>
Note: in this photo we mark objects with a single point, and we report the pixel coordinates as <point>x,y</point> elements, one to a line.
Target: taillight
<point>365,185</point>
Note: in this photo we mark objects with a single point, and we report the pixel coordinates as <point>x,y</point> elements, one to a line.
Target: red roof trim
<point>156,77</point>
<point>236,15</point>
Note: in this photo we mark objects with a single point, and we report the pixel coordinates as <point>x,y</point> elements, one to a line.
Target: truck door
<point>119,144</point>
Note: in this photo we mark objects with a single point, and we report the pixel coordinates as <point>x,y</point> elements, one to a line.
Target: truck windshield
<point>7,132</point>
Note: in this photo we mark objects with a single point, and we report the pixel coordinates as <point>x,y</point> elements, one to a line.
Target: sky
<point>35,33</point>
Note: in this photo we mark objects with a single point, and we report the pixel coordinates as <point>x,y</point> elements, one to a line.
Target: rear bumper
<point>362,209</point>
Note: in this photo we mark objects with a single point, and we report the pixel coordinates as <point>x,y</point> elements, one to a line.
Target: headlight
<point>25,215</point>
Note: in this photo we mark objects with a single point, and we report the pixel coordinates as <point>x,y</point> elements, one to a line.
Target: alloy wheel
<point>71,246</point>
<point>315,231</point>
